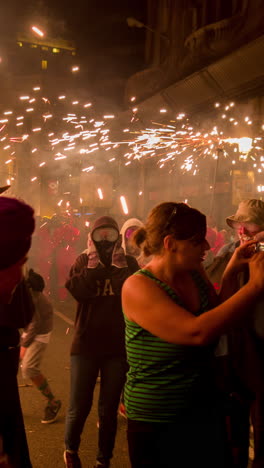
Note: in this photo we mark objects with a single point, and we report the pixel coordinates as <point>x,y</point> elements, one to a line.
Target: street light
<point>134,23</point>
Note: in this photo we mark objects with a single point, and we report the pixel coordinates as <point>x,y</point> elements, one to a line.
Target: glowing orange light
<point>37,31</point>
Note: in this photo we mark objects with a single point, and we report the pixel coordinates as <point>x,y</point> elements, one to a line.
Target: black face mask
<point>105,250</point>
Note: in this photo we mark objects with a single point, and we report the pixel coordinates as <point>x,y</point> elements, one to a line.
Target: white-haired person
<point>173,322</point>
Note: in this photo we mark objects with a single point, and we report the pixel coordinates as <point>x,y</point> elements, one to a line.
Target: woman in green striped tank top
<point>173,321</point>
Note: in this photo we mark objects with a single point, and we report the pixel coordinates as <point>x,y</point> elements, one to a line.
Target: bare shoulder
<point>139,283</point>
<point>140,295</point>
<point>149,306</point>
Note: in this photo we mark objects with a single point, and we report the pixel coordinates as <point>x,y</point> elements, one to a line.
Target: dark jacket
<point>17,314</point>
<point>42,321</point>
<point>245,344</point>
<point>13,316</point>
<point>99,324</point>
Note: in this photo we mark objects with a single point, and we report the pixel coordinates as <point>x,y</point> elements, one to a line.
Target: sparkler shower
<point>71,131</point>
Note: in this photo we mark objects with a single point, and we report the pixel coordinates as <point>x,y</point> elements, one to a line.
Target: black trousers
<point>247,386</point>
<point>11,419</point>
<point>197,441</point>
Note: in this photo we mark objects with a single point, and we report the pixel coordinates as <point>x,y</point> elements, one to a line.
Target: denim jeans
<point>84,372</point>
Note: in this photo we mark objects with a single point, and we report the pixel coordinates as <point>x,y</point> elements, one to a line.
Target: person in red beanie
<point>16,311</point>
<point>95,281</point>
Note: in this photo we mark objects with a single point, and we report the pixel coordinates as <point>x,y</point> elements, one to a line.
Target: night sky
<point>107,47</point>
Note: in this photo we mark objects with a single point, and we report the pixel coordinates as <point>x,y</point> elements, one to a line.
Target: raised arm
<point>82,281</point>
<point>150,307</point>
<point>237,263</point>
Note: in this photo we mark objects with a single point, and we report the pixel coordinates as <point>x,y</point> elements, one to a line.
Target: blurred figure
<point>215,238</point>
<point>42,247</point>
<point>246,348</point>
<point>65,241</point>
<point>54,252</point>
<point>16,311</point>
<point>34,342</point>
<point>95,282</point>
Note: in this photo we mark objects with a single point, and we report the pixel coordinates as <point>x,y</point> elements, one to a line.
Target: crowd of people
<point>175,334</point>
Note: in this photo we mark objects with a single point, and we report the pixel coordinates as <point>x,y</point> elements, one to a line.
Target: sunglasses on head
<point>196,238</point>
<point>105,234</point>
<point>171,218</point>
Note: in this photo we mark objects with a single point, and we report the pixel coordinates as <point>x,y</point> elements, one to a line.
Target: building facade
<point>184,36</point>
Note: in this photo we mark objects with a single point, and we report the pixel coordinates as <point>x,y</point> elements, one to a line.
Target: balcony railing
<point>212,33</point>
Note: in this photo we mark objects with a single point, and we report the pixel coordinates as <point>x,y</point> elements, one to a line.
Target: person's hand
<point>256,270</point>
<point>241,256</point>
<point>22,352</point>
<point>259,237</point>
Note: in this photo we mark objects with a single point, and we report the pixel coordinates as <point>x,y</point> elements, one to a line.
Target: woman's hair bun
<point>139,236</point>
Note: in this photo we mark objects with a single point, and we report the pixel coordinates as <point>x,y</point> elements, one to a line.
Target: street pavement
<point>46,441</point>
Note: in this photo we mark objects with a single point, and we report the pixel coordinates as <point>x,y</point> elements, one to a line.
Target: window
<point>20,44</point>
<point>44,48</point>
<point>33,46</point>
<point>44,64</point>
<point>55,50</point>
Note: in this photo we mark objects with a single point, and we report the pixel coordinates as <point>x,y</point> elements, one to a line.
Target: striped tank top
<point>165,379</point>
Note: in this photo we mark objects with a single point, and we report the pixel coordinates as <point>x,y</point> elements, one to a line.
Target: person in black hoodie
<point>95,281</point>
<point>16,311</point>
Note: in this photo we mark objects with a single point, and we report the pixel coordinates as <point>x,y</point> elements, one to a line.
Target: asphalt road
<point>46,441</point>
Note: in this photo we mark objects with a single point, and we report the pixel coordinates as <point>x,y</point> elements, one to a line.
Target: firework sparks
<point>124,204</point>
<point>68,132</point>
<point>100,193</point>
<point>38,31</point>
